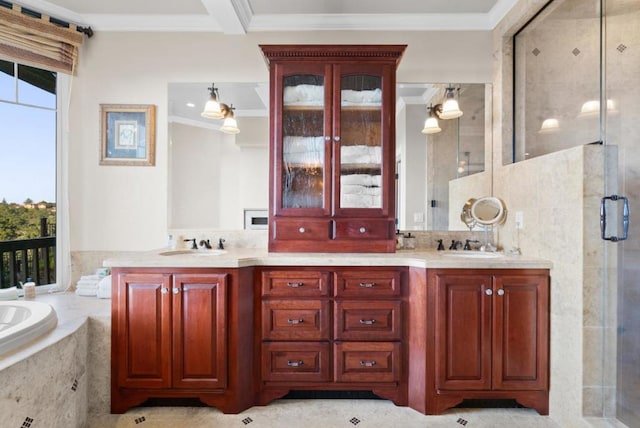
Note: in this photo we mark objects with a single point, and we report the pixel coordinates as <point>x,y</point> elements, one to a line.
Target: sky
<point>27,143</point>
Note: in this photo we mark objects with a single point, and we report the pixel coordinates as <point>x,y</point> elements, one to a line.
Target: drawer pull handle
<point>367,284</point>
<point>294,322</point>
<point>295,284</point>
<point>295,363</point>
<point>367,363</point>
<point>368,322</point>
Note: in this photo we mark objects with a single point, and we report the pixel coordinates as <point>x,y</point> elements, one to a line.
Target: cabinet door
<point>521,331</point>
<point>363,138</point>
<point>199,331</point>
<point>143,330</point>
<point>302,139</point>
<point>463,332</point>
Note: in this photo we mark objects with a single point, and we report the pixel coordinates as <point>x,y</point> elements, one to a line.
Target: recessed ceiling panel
<point>260,7</point>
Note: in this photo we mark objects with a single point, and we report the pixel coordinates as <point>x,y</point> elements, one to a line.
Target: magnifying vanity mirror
<point>215,177</point>
<point>488,211</point>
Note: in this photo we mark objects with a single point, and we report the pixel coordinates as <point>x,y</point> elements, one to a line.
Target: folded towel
<point>82,292</point>
<point>355,189</point>
<point>360,201</point>
<point>362,179</point>
<point>310,158</point>
<point>368,97</point>
<point>303,144</point>
<point>303,95</point>
<point>104,288</point>
<point>360,154</point>
<point>10,293</point>
<point>91,277</point>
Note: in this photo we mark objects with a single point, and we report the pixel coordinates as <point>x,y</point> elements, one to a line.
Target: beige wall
<point>125,208</point>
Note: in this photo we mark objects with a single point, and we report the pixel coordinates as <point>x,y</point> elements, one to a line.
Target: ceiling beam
<point>232,16</point>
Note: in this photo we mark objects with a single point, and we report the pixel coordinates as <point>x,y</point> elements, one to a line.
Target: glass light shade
<point>450,109</point>
<point>230,126</point>
<point>431,126</point>
<point>592,108</point>
<point>549,125</point>
<point>212,109</point>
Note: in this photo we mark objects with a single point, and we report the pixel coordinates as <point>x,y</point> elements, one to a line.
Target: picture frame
<point>128,134</point>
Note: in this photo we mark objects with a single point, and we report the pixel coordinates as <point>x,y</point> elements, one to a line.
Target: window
<point>27,174</point>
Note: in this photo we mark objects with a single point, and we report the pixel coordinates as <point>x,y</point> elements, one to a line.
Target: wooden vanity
<point>420,329</point>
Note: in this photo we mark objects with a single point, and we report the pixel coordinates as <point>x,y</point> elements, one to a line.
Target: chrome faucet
<point>205,244</point>
<point>467,245</point>
<point>193,243</point>
<point>221,244</point>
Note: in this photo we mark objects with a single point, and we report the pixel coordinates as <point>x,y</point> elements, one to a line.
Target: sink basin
<point>474,254</point>
<point>197,253</point>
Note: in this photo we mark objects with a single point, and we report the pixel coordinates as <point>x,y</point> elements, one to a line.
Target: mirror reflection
<point>215,177</point>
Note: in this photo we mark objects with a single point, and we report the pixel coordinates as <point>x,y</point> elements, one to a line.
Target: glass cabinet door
<point>304,156</point>
<point>360,140</point>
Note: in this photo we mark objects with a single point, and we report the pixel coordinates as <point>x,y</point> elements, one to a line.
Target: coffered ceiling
<point>244,16</point>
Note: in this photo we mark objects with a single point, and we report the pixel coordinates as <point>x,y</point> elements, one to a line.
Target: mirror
<point>488,211</point>
<point>437,173</point>
<point>215,178</point>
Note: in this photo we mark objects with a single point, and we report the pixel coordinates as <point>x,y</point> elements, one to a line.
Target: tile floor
<point>322,413</point>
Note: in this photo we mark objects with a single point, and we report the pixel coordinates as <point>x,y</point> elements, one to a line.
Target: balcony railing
<point>28,258</point>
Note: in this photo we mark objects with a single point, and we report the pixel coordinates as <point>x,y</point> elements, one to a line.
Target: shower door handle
<point>625,218</point>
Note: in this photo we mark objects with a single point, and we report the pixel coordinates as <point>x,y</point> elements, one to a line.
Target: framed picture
<point>128,134</point>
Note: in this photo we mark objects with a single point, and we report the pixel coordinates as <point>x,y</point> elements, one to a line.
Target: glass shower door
<point>622,169</point>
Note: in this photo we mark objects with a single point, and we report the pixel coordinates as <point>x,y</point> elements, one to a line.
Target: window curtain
<point>37,41</point>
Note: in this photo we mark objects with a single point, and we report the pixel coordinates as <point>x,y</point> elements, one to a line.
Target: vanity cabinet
<point>332,147</point>
<point>332,329</point>
<point>489,330</point>
<point>173,335</point>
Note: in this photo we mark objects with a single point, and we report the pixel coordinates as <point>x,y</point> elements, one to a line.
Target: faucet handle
<point>440,245</point>
<point>194,246</point>
<point>221,244</point>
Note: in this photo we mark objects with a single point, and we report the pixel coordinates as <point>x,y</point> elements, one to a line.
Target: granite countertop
<point>244,257</point>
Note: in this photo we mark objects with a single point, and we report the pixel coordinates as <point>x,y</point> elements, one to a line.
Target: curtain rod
<point>88,31</point>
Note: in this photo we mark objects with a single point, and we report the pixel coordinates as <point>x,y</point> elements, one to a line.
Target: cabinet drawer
<point>368,320</point>
<point>301,229</point>
<point>363,229</point>
<point>367,362</point>
<point>295,361</point>
<point>295,320</point>
<point>288,283</point>
<point>367,283</point>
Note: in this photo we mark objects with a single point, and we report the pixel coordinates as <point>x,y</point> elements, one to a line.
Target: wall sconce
<point>214,109</point>
<point>431,125</point>
<point>448,110</point>
<point>230,125</point>
<point>549,125</point>
<point>592,108</point>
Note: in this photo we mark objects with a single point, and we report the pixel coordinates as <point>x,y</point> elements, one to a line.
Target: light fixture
<point>431,125</point>
<point>592,108</point>
<point>214,109</point>
<point>450,108</point>
<point>230,125</point>
<point>549,125</point>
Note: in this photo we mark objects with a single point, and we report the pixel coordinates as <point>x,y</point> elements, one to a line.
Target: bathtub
<point>23,321</point>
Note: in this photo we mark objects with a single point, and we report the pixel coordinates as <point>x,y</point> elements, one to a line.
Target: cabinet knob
<point>301,230</point>
<point>367,363</point>
<point>336,138</point>
<point>362,229</point>
<point>327,138</point>
<point>176,290</point>
<point>500,292</point>
<point>164,290</point>
<point>294,322</point>
<point>295,363</point>
<point>488,292</point>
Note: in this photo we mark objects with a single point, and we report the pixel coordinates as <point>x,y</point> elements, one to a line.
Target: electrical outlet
<point>418,217</point>
<point>519,220</point>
